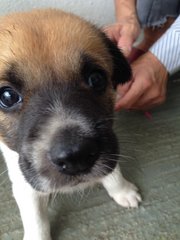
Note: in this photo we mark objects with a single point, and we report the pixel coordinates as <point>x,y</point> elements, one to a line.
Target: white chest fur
<point>33,205</point>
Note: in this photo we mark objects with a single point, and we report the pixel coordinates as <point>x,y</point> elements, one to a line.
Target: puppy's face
<point>57,74</point>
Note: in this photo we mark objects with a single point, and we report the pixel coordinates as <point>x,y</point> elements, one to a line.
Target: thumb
<point>125,44</point>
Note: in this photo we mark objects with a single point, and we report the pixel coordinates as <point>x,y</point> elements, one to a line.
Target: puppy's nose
<point>75,156</point>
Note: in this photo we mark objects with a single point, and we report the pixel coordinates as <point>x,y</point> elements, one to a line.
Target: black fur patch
<point>75,101</point>
<point>89,67</point>
<point>122,70</point>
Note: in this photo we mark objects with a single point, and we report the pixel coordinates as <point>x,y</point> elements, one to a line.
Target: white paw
<point>128,197</point>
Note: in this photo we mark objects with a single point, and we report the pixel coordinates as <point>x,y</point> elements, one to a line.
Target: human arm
<point>150,72</point>
<point>167,48</point>
<point>127,28</point>
<point>147,87</point>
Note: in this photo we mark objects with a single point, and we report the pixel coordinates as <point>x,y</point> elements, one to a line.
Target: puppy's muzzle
<point>73,154</point>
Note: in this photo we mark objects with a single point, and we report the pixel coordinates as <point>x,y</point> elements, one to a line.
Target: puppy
<point>57,79</point>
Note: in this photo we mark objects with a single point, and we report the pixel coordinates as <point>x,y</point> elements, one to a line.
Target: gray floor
<point>151,150</point>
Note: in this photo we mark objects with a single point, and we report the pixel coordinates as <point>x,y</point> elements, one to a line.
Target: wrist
<point>125,9</point>
<point>156,64</point>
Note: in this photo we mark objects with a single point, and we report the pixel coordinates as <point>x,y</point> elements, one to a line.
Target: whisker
<point>103,166</point>
<point>54,195</point>
<point>123,156</point>
<point>117,160</point>
<point>5,181</point>
<point>3,172</point>
<point>108,167</point>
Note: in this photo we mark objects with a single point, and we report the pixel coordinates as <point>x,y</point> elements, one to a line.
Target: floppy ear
<point>121,67</point>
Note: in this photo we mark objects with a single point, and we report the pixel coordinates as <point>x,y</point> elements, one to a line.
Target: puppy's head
<point>57,79</point>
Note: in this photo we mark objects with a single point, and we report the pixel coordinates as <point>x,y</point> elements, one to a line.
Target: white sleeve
<point>167,48</point>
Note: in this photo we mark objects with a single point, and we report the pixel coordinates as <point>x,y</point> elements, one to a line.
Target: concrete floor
<point>153,147</point>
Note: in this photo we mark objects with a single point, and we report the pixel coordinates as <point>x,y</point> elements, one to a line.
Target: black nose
<point>74,155</point>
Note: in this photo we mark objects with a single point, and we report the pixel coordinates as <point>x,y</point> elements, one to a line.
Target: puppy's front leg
<point>32,205</point>
<point>123,192</point>
<point>33,210</point>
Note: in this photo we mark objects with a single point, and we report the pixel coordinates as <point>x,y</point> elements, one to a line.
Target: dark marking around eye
<point>93,74</point>
<point>89,64</point>
<point>13,77</point>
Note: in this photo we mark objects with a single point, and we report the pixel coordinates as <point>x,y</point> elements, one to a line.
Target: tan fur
<point>40,39</point>
<point>46,42</point>
<point>47,48</point>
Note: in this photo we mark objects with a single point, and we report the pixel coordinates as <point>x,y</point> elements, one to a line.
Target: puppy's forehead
<point>45,41</point>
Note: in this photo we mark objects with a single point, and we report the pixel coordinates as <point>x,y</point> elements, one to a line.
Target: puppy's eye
<point>97,81</point>
<point>9,97</point>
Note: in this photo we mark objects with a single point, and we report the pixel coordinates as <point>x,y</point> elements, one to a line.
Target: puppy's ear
<point>121,68</point>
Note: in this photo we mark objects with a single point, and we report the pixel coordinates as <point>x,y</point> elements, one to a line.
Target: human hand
<point>147,87</point>
<point>124,33</point>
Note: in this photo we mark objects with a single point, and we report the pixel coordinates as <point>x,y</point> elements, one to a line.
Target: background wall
<point>100,12</point>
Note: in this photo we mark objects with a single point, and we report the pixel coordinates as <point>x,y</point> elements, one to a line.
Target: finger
<point>152,104</point>
<point>110,35</point>
<point>152,96</point>
<point>113,33</point>
<point>146,103</point>
<point>125,44</point>
<point>122,90</point>
<point>146,107</point>
<point>132,96</point>
<point>148,97</point>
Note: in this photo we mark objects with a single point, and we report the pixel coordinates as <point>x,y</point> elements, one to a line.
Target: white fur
<point>33,205</point>
<point>123,192</point>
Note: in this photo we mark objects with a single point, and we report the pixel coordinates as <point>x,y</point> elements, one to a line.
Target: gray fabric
<point>155,12</point>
